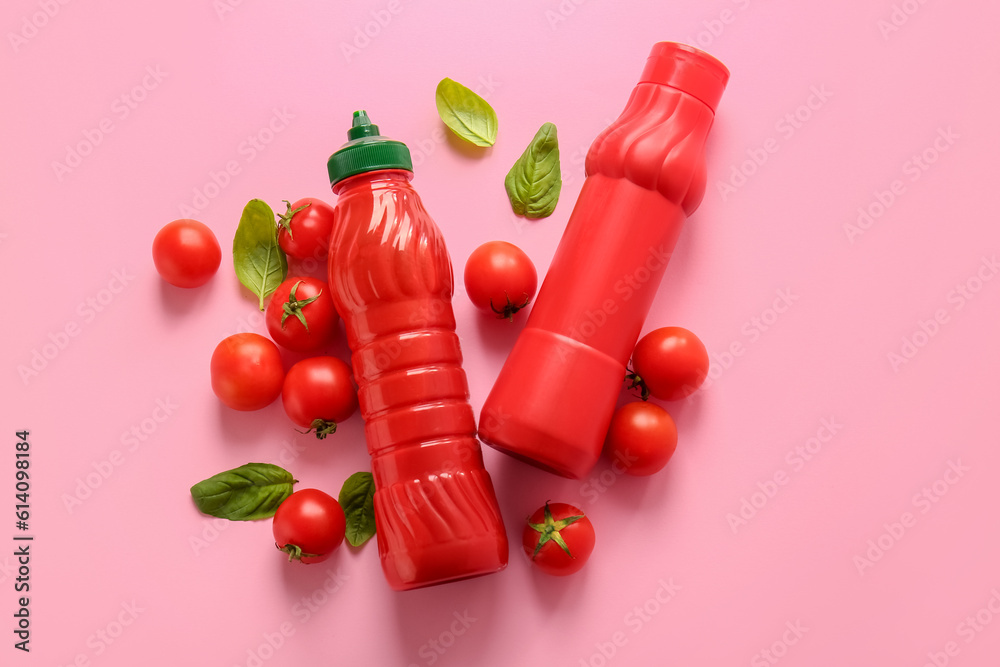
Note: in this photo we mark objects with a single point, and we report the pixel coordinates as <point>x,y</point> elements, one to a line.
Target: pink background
<point>196,592</point>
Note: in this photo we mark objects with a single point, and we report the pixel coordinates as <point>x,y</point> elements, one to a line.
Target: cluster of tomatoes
<point>246,368</point>
<point>318,392</point>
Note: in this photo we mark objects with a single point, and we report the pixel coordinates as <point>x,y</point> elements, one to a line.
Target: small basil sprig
<point>252,491</point>
<point>467,114</point>
<point>357,498</point>
<point>259,261</point>
<point>534,182</point>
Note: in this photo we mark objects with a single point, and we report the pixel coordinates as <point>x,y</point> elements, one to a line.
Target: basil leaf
<point>467,114</point>
<point>534,182</point>
<point>252,491</point>
<point>357,498</point>
<point>260,262</point>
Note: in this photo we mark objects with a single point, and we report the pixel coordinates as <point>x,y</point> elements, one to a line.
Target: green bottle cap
<point>366,150</point>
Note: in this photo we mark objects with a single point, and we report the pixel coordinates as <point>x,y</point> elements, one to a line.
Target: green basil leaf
<point>252,491</point>
<point>467,114</point>
<point>260,262</point>
<point>357,497</point>
<point>534,182</point>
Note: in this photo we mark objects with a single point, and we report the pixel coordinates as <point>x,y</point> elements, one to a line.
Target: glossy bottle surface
<point>391,278</point>
<point>553,401</point>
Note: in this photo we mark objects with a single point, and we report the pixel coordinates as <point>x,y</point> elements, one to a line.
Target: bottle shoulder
<point>658,143</point>
<point>385,247</point>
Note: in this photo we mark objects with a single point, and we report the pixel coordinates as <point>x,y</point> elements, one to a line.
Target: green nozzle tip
<point>367,150</point>
<point>362,126</point>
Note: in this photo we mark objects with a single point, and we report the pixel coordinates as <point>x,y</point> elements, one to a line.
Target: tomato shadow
<point>179,301</point>
<point>464,148</point>
<point>239,428</point>
<point>498,334</point>
<point>310,587</point>
<point>556,594</point>
<point>685,411</point>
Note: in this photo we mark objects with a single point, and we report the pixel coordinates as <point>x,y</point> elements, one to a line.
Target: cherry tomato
<point>186,253</point>
<point>558,538</point>
<point>500,278</point>
<point>309,525</point>
<point>247,372</point>
<point>304,229</point>
<point>318,393</point>
<point>642,438</point>
<point>669,363</point>
<point>301,315</point>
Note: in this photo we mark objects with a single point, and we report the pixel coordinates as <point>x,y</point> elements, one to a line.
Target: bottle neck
<point>380,178</point>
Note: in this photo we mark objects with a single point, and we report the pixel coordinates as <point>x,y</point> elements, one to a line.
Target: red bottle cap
<point>686,68</point>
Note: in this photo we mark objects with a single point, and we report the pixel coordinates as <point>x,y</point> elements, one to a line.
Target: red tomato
<point>186,253</point>
<point>318,393</point>
<point>301,315</point>
<point>309,525</point>
<point>247,372</point>
<point>558,538</point>
<point>500,278</point>
<point>304,229</point>
<point>642,438</point>
<point>669,363</point>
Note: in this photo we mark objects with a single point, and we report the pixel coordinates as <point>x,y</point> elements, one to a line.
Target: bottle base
<point>552,404</point>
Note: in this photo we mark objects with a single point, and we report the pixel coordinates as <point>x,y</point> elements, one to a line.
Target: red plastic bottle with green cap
<point>436,513</point>
<point>553,401</point>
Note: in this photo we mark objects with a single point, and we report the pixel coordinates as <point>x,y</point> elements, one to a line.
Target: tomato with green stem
<point>500,278</point>
<point>301,316</point>
<point>318,394</point>
<point>669,363</point>
<point>309,526</point>
<point>304,229</point>
<point>558,538</point>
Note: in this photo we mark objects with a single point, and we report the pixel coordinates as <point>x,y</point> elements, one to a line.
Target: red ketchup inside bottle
<point>391,279</point>
<point>553,400</point>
